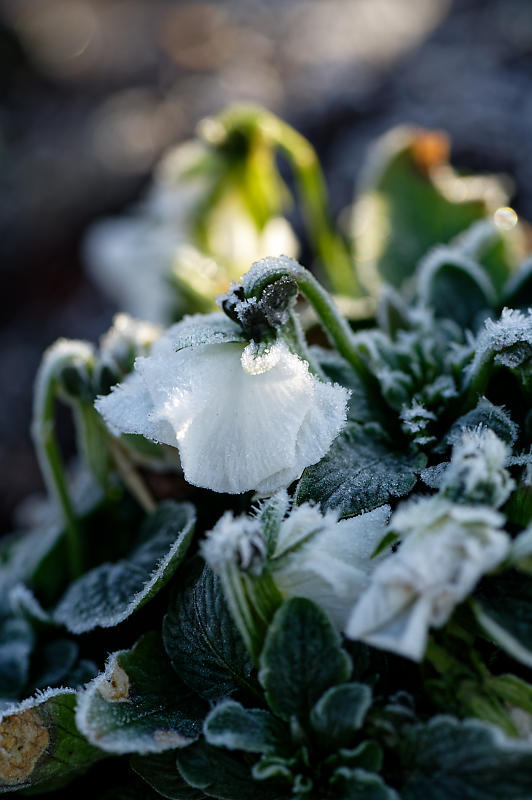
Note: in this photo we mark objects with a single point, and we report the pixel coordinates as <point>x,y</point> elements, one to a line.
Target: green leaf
<point>489,415</point>
<point>40,745</point>
<point>402,212</point>
<point>224,775</point>
<point>237,728</point>
<point>110,593</point>
<point>201,639</point>
<point>301,659</point>
<point>450,760</point>
<point>359,473</point>
<point>139,705</point>
<point>455,287</point>
<point>340,712</point>
<point>159,770</point>
<point>357,784</point>
<point>503,607</point>
<point>16,646</point>
<point>367,756</point>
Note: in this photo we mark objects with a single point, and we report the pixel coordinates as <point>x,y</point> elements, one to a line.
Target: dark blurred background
<point>93,91</point>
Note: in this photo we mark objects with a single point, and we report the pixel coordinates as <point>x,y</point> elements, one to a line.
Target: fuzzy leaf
<point>450,760</point>
<point>340,712</point>
<point>223,775</point>
<point>489,415</point>
<point>359,473</point>
<point>40,745</point>
<point>301,659</point>
<point>201,639</point>
<point>455,287</point>
<point>237,728</point>
<point>139,705</point>
<point>16,645</point>
<point>503,606</point>
<point>159,770</point>
<point>112,592</point>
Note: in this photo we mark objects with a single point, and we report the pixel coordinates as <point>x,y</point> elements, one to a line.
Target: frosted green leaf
<point>112,592</point>
<point>139,704</point>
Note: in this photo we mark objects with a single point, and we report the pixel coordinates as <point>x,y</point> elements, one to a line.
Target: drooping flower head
<point>243,409</point>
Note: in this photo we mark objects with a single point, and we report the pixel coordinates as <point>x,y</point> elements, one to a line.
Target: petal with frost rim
<point>236,431</point>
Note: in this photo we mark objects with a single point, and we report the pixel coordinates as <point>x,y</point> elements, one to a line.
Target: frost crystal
<point>236,430</point>
<point>235,541</point>
<point>476,473</point>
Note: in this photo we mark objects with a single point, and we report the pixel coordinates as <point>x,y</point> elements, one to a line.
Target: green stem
<point>334,324</point>
<point>51,463</point>
<point>329,245</point>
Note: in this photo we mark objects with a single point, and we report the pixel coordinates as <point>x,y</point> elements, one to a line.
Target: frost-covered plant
<point>282,570</point>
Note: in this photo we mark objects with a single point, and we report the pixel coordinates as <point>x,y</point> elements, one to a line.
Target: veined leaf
<point>359,473</point>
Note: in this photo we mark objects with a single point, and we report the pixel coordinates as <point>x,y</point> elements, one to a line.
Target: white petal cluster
<point>238,426</point>
<point>327,561</point>
<point>445,550</point>
<point>309,554</point>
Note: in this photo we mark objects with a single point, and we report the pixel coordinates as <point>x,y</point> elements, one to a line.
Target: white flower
<point>299,552</point>
<point>446,549</point>
<point>240,420</point>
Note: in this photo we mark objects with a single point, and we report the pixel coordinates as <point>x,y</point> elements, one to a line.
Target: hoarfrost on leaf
<point>446,549</point>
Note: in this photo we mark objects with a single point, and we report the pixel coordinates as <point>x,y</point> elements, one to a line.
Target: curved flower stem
<point>329,245</point>
<point>334,324</point>
<point>46,445</point>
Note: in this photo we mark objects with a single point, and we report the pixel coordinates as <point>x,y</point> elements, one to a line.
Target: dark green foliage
<point>201,639</point>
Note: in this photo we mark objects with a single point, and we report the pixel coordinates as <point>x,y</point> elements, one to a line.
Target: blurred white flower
<point>446,549</point>
<point>242,418</point>
<point>150,261</point>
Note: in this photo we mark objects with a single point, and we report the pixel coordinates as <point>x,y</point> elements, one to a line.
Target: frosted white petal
<point>328,562</point>
<point>236,431</point>
<point>127,409</point>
